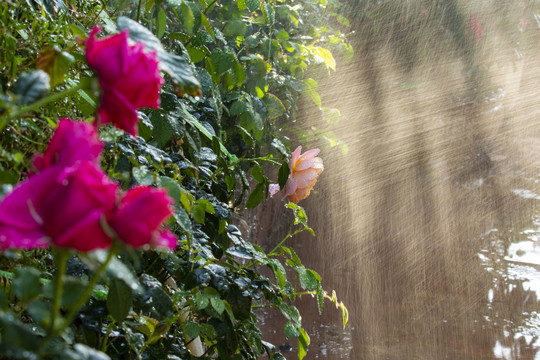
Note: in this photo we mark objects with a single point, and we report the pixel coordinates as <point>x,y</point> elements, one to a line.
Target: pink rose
<point>128,75</point>
<point>304,171</point>
<point>63,206</point>
<point>71,142</point>
<point>139,217</point>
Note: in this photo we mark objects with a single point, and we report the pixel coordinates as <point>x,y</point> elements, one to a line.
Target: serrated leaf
<point>320,299</point>
<point>191,329</point>
<point>161,23</point>
<point>274,106</point>
<point>291,330</point>
<point>187,17</point>
<point>31,86</point>
<point>253,5</point>
<point>119,300</point>
<point>279,272</point>
<point>221,61</point>
<point>207,26</point>
<point>303,342</point>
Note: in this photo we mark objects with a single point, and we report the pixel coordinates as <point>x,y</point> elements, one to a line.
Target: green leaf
<point>256,196</point>
<point>291,330</point>
<point>257,173</point>
<point>119,300</point>
<point>202,301</point>
<point>217,304</point>
<point>310,89</point>
<point>283,174</point>
<point>8,177</point>
<point>253,5</point>
<point>187,17</point>
<point>206,205</point>
<point>241,4</point>
<point>182,219</point>
<point>161,23</point>
<point>320,299</point>
<point>56,63</point>
<point>179,36</point>
<point>26,284</point>
<point>31,86</point>
<point>198,213</point>
<point>207,26</point>
<point>195,54</point>
<point>274,106</point>
<point>282,35</point>
<point>279,272</point>
<point>290,313</point>
<point>191,329</point>
<point>331,115</point>
<point>309,279</point>
<point>303,342</point>
<point>238,107</point>
<point>221,61</point>
<point>173,189</point>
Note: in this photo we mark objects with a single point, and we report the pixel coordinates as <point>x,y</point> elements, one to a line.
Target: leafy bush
<point>234,72</point>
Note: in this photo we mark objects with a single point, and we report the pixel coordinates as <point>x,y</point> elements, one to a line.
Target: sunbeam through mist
<point>427,225</point>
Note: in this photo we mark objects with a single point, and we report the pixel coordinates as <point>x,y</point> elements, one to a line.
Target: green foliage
<point>245,66</point>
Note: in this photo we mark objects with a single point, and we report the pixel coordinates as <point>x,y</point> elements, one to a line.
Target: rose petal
<point>290,187</point>
<point>273,189</point>
<point>294,158</point>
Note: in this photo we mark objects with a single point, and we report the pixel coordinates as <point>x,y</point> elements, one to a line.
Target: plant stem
<point>84,83</point>
<point>62,256</point>
<point>82,299</point>
<point>88,291</point>
<point>271,253</point>
<point>209,6</point>
<point>139,10</point>
<point>262,159</point>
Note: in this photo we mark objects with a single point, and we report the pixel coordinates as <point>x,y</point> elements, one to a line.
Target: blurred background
<point>426,216</point>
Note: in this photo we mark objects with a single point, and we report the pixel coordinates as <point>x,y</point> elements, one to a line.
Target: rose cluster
<point>68,201</point>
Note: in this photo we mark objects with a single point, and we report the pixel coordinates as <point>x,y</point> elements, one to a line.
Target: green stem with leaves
<point>83,84</point>
<point>273,252</point>
<point>82,299</point>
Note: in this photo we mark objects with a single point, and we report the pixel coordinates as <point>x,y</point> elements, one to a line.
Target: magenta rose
<point>128,75</point>
<point>73,141</point>
<point>63,206</point>
<point>140,215</point>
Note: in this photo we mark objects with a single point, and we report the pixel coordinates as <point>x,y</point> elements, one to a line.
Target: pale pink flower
<point>304,170</point>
